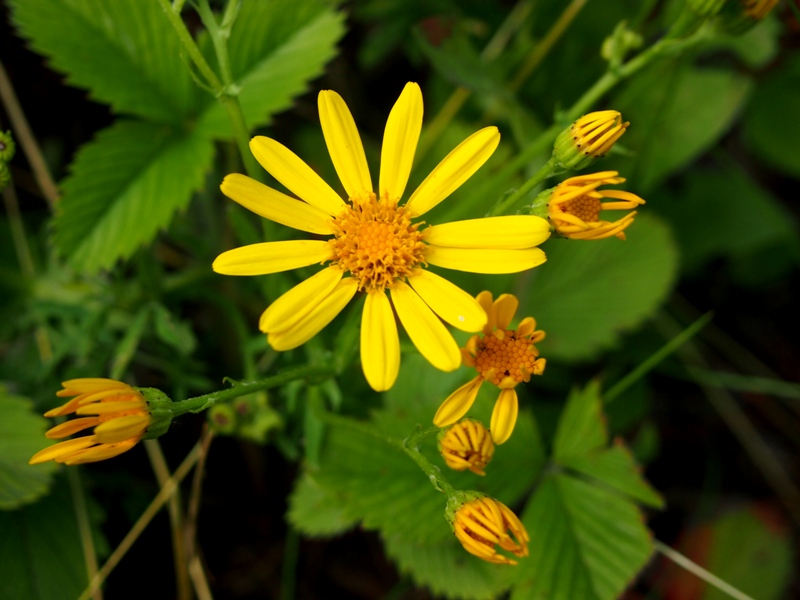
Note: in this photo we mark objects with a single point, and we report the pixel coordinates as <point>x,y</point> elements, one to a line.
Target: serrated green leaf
<point>586,542</point>
<point>276,48</point>
<point>588,293</point>
<point>124,187</point>
<point>315,511</point>
<point>447,569</point>
<point>616,468</point>
<point>40,550</point>
<point>581,427</point>
<point>21,436</point>
<point>124,52</point>
<point>677,112</point>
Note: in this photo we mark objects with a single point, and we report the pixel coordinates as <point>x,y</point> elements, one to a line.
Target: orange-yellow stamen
<point>377,243</point>
<point>586,208</point>
<point>505,358</point>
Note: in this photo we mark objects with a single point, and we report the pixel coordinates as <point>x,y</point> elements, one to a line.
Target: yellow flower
<point>466,445</point>
<point>502,356</point>
<point>119,415</point>
<point>376,244</point>
<point>588,138</point>
<point>483,524</point>
<point>574,207</point>
<point>758,9</point>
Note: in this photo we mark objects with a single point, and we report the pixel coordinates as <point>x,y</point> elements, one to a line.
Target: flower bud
<point>482,524</point>
<point>466,445</point>
<point>588,138</point>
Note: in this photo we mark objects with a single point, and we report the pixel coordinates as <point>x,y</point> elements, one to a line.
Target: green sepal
<point>456,501</point>
<point>539,205</point>
<point>568,156</point>
<point>160,407</point>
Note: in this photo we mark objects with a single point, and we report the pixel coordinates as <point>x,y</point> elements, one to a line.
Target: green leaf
<point>447,569</point>
<point>586,542</point>
<point>21,436</point>
<point>124,187</point>
<point>588,293</point>
<point>171,330</point>
<point>124,52</point>
<point>677,112</point>
<point>40,550</point>
<point>316,511</point>
<point>276,48</point>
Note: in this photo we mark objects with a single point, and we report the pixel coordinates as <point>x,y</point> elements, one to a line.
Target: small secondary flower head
<point>502,356</point>
<point>377,245</point>
<point>575,204</point>
<point>466,445</point>
<point>588,138</point>
<point>483,524</point>
<point>119,413</point>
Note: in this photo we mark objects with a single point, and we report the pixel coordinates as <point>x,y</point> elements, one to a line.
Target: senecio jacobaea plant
<point>378,245</point>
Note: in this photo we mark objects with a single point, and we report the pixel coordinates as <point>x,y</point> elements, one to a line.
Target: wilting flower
<point>503,357</point>
<point>118,413</point>
<point>376,244</point>
<point>575,204</point>
<point>588,138</point>
<point>466,445</point>
<point>481,524</point>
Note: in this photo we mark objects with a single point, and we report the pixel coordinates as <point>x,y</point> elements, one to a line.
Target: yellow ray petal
<point>67,428</point>
<point>105,408</point>
<point>455,169</point>
<point>271,257</point>
<point>380,346</point>
<point>425,329</point>
<point>288,168</point>
<point>61,449</point>
<point>504,308</point>
<point>400,142</point>
<point>458,403</point>
<point>475,260</point>
<point>275,206</point>
<point>98,453</point>
<point>344,144</point>
<point>316,319</point>
<point>509,232</point>
<point>122,428</point>
<point>299,301</point>
<point>504,415</point>
<point>449,301</point>
<point>89,384</point>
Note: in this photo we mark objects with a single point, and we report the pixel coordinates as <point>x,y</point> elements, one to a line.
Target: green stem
<point>242,388</point>
<point>84,527</point>
<point>547,170</point>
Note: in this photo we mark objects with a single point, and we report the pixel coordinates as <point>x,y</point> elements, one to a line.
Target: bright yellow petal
<point>425,329</point>
<point>504,308</point>
<point>271,257</point>
<point>275,206</point>
<point>475,260</point>
<point>67,428</point>
<point>117,430</point>
<point>380,346</point>
<point>344,144</point>
<point>509,232</point>
<point>400,142</point>
<point>62,449</point>
<point>458,403</point>
<point>504,416</point>
<point>455,169</point>
<point>299,301</point>
<point>105,408</point>
<point>316,319</point>
<point>449,301</point>
<point>288,168</point>
<point>101,452</point>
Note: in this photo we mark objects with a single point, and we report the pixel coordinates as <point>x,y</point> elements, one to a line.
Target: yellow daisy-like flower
<point>118,413</point>
<point>574,206</point>
<point>502,356</point>
<point>483,524</point>
<point>377,244</point>
<point>466,445</point>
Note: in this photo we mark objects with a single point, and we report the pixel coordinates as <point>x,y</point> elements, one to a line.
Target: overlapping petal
<point>299,301</point>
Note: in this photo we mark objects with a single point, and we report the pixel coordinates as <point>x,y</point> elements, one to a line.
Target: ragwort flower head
<point>502,356</point>
<point>482,524</point>
<point>378,245</point>
<point>118,413</point>
<point>589,138</point>
<point>466,445</point>
<point>575,204</point>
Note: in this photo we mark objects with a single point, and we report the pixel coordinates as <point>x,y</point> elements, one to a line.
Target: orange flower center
<point>376,242</point>
<point>584,207</point>
<point>503,355</point>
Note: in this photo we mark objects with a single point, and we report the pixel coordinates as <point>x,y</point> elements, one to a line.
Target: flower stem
<point>504,204</point>
<point>242,388</point>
